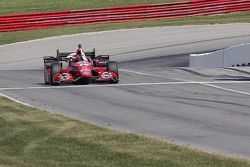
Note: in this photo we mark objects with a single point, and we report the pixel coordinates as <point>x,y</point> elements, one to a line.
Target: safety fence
<point>17,22</point>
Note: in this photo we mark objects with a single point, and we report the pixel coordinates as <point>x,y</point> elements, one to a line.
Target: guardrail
<point>234,56</point>
<point>17,22</point>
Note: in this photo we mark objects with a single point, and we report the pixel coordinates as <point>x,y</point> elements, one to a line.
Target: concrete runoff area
<point>206,109</point>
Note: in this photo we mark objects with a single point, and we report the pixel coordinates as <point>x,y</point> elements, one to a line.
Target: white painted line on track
<point>202,83</point>
<point>94,86</point>
<point>144,84</point>
<point>181,81</point>
<point>226,89</point>
<point>136,72</point>
<point>138,84</point>
<point>153,75</point>
<point>15,100</point>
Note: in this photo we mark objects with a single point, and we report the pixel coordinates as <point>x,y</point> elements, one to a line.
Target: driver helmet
<point>79,45</point>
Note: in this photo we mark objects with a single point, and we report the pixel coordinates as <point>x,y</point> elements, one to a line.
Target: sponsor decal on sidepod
<point>106,75</point>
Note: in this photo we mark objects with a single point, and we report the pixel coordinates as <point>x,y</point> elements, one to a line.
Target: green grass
<point>11,37</point>
<point>31,137</point>
<point>24,6</point>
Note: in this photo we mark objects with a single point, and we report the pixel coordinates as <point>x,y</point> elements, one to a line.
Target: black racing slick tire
<point>46,82</point>
<point>55,68</point>
<point>113,67</point>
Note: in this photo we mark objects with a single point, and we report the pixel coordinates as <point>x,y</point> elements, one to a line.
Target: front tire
<point>113,67</point>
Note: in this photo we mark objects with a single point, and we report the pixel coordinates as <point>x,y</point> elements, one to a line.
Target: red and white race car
<point>64,69</point>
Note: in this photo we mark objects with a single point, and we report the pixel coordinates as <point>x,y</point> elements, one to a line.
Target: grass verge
<point>31,137</point>
<point>24,6</point>
<point>11,37</point>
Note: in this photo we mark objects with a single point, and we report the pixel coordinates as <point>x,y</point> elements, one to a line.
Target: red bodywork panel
<point>84,70</point>
<point>65,69</point>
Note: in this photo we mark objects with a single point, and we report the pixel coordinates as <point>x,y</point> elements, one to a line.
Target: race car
<point>64,69</point>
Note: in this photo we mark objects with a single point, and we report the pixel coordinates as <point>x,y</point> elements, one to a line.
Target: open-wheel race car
<point>64,69</point>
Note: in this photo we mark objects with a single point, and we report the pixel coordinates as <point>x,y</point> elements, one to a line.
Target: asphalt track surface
<point>158,95</point>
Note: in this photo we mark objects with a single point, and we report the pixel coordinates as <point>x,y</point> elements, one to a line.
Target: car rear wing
<point>63,55</point>
<point>103,57</point>
<point>49,58</point>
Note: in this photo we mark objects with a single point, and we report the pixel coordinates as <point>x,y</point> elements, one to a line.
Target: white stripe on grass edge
<point>119,30</point>
<point>72,35</point>
<point>110,31</point>
<point>15,100</point>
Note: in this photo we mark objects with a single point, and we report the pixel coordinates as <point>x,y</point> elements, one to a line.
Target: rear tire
<point>55,68</point>
<point>45,75</point>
